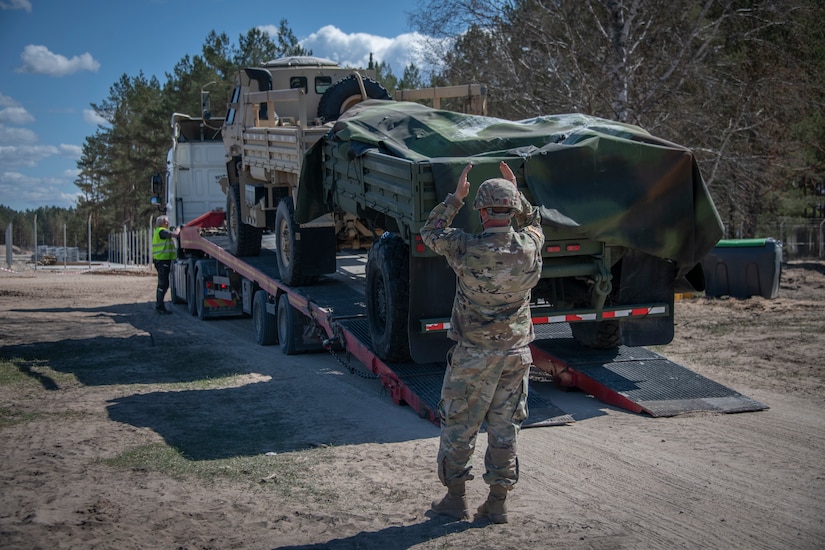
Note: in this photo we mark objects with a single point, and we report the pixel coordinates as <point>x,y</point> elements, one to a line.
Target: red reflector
<point>419,248</point>
<point>553,249</point>
<point>573,247</point>
<point>418,238</point>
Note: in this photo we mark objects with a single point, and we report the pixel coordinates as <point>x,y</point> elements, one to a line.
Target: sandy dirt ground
<point>120,428</point>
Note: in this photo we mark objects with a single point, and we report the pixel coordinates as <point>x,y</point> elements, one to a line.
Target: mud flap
<point>432,291</point>
<point>318,247</point>
<point>647,279</point>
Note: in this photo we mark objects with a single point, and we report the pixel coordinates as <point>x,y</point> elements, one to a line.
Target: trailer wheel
<point>345,93</point>
<point>173,288</point>
<point>190,288</point>
<point>288,247</point>
<point>598,335</point>
<point>266,329</point>
<point>387,297</point>
<point>244,240</point>
<point>200,286</point>
<point>289,326</point>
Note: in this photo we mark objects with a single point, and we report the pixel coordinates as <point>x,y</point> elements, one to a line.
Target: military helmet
<point>497,193</point>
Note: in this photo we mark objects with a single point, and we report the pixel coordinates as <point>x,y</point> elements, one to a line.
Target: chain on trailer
<point>329,345</point>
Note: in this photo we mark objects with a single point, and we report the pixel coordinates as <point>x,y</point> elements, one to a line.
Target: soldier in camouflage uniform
<point>488,368</point>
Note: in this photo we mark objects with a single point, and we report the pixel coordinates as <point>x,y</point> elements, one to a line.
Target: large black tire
<point>387,297</point>
<point>200,287</point>
<point>289,326</point>
<point>191,299</point>
<point>173,288</point>
<point>598,335</point>
<point>288,251</point>
<point>345,93</point>
<point>244,240</point>
<point>266,329</point>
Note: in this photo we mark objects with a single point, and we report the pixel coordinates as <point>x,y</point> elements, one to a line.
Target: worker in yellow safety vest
<point>163,252</point>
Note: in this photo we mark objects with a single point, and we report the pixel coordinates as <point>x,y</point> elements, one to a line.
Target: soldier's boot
<point>454,503</point>
<point>495,507</point>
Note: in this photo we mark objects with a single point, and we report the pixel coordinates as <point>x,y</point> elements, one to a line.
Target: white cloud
<point>90,116</point>
<point>16,5</point>
<point>71,151</point>
<point>271,30</point>
<point>39,60</point>
<point>354,49</point>
<point>15,115</point>
<point>17,135</point>
<point>17,156</point>
<point>21,192</point>
<point>6,101</point>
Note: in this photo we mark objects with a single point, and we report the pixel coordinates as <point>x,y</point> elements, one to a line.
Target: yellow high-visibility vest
<point>162,249</point>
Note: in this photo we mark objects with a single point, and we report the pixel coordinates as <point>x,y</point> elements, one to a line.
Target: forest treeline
<point>741,83</point>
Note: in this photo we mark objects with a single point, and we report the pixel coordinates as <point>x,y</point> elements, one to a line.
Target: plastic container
<point>742,268</point>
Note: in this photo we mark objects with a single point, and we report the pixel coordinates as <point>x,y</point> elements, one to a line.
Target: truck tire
<point>289,326</point>
<point>345,93</point>
<point>266,329</point>
<point>191,299</point>
<point>244,240</point>
<point>173,288</point>
<point>288,251</point>
<point>387,297</point>
<point>598,335</point>
<point>200,287</point>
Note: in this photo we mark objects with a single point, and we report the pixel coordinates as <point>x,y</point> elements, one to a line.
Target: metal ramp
<point>633,378</point>
<point>419,385</point>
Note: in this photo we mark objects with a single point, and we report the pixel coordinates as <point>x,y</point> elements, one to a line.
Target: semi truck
<point>321,162</point>
<point>189,187</point>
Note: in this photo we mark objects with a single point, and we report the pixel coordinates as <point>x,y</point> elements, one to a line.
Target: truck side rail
<point>402,189</point>
<point>475,96</point>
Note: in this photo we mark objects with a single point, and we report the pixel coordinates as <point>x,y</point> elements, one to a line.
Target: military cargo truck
<point>276,113</point>
<point>626,216</point>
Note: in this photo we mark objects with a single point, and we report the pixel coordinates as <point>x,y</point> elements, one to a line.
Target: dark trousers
<point>163,267</point>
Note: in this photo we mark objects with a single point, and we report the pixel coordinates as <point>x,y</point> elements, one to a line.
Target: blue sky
<point>59,56</point>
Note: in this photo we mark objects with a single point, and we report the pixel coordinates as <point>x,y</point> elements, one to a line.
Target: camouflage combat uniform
<point>488,368</point>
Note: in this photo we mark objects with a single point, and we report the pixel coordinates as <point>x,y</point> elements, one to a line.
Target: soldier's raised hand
<point>462,188</point>
<point>507,173</point>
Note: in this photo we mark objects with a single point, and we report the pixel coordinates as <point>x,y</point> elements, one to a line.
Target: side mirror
<point>205,109</point>
<point>157,184</point>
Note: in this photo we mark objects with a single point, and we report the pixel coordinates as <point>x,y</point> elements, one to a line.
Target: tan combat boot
<point>454,503</point>
<point>495,508</point>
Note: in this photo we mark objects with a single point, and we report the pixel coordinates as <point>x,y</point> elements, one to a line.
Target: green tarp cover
<point>592,178</point>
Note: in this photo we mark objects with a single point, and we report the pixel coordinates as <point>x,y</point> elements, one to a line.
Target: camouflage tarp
<point>593,178</point>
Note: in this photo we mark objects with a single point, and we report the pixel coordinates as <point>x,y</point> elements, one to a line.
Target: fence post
<point>9,246</point>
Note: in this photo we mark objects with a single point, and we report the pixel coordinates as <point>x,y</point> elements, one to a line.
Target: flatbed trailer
<point>331,315</point>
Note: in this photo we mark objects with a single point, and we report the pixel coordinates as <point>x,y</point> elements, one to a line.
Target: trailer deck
<point>633,378</point>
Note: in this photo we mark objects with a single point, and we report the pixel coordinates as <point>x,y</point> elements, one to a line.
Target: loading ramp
<point>633,378</point>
